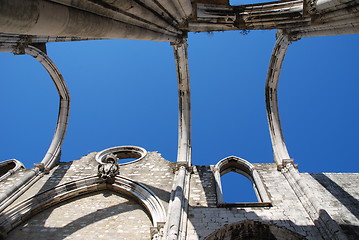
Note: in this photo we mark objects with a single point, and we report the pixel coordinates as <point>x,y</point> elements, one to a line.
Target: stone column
<point>177,213</point>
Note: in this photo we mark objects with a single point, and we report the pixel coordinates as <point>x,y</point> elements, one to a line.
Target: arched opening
<point>121,100</point>
<point>244,192</point>
<point>302,110</point>
<point>29,105</point>
<point>246,187</point>
<point>128,189</point>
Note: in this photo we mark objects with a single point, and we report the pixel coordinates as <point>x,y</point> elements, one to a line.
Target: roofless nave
<point>182,206</point>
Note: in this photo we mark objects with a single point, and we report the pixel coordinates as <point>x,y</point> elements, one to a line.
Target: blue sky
<point>124,92</point>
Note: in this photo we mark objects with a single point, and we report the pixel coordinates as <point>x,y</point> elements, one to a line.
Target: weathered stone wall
<point>153,171</point>
<point>12,179</point>
<point>106,212</point>
<point>100,215</point>
<point>338,194</point>
<point>202,187</point>
<point>64,172</point>
<point>286,210</point>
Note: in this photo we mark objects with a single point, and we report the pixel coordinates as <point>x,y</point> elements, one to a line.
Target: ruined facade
<point>151,198</point>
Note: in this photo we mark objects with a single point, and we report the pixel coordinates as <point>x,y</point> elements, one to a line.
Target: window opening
<point>123,154</point>
<point>249,190</point>
<point>29,115</point>
<point>243,190</point>
<point>127,156</point>
<point>244,2</point>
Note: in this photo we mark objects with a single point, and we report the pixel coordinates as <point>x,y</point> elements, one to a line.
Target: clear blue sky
<point>124,92</point>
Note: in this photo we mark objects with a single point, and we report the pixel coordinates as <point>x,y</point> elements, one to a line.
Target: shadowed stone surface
<point>92,216</point>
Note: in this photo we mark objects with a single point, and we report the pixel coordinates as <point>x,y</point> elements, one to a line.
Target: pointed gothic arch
<point>245,168</point>
<point>52,155</point>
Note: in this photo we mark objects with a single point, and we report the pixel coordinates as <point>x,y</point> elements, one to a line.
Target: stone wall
<point>101,211</point>
<point>100,215</point>
<point>202,187</point>
<point>338,194</point>
<point>153,171</point>
<point>286,210</point>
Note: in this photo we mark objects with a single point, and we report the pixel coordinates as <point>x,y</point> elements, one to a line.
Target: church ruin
<point>95,197</point>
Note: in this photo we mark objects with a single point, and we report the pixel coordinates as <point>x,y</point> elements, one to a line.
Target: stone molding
<point>241,166</point>
<point>271,97</point>
<point>122,152</point>
<point>28,208</point>
<point>17,166</point>
<point>52,155</point>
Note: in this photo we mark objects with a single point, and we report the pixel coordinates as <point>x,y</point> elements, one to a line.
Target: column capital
<point>286,164</point>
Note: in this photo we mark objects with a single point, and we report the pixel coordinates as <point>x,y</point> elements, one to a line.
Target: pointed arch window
<point>246,169</point>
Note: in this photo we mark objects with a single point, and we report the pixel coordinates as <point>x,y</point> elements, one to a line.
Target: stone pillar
<point>184,100</point>
<point>177,212</point>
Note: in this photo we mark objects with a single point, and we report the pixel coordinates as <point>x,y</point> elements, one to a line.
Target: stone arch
<point>279,147</point>
<point>122,152</point>
<point>254,230</point>
<point>241,166</point>
<point>9,167</point>
<point>52,155</point>
<point>127,187</point>
<point>95,215</point>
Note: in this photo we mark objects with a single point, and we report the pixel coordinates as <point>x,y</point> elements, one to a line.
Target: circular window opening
<point>124,154</point>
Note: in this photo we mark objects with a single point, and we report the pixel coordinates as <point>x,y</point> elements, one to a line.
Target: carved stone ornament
<point>109,169</point>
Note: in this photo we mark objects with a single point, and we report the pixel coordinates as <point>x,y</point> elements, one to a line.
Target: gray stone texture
<point>338,194</point>
<point>154,172</point>
<point>286,210</point>
<point>12,179</point>
<point>202,187</point>
<point>92,216</point>
<point>96,215</point>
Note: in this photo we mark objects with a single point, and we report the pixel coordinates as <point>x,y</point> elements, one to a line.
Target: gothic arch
<point>254,230</point>
<point>241,166</point>
<point>30,207</point>
<point>52,155</point>
<point>280,151</point>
